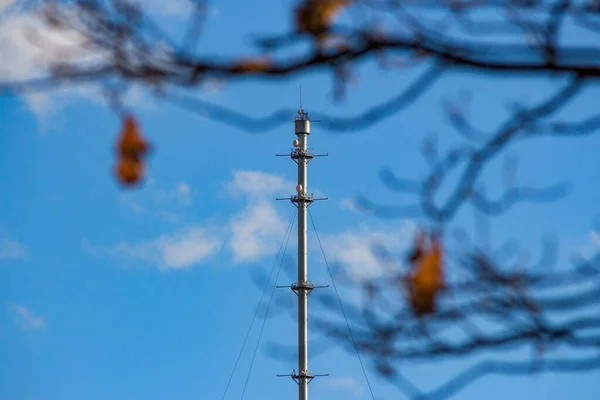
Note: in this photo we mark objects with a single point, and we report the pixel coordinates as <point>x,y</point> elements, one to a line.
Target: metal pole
<point>302,130</point>
<point>301,155</point>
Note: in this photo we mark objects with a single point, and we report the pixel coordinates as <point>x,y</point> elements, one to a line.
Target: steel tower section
<point>302,155</point>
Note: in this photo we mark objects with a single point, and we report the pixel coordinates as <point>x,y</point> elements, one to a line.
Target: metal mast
<point>302,130</point>
<point>302,200</point>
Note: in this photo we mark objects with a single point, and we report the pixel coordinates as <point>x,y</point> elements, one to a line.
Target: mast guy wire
<point>286,240</point>
<point>341,306</point>
<point>287,233</point>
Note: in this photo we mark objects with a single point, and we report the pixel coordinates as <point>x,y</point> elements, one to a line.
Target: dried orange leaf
<point>131,141</point>
<point>315,16</point>
<point>130,170</point>
<point>131,149</point>
<point>427,278</point>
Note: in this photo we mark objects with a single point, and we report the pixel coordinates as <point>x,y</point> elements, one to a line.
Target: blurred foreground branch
<point>490,300</point>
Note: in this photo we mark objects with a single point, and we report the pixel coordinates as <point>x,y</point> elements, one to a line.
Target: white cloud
<point>27,319</point>
<point>173,8</point>
<point>256,232</point>
<point>349,204</point>
<point>257,183</point>
<point>127,200</point>
<point>188,248</point>
<point>165,203</point>
<point>170,8</point>
<point>595,238</point>
<point>11,249</point>
<point>16,50</point>
<point>248,235</point>
<point>30,48</point>
<point>591,247</point>
<point>4,4</point>
<point>184,193</point>
<point>354,248</point>
<point>348,384</point>
<point>184,249</point>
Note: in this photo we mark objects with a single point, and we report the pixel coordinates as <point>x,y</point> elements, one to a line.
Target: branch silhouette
<point>495,299</point>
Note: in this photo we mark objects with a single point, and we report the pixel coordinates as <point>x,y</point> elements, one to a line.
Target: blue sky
<point>147,294</point>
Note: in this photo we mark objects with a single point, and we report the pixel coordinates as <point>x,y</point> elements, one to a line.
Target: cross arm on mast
<point>307,287</point>
<point>297,375</point>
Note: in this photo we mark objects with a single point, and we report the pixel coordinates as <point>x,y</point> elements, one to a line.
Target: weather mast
<point>302,155</point>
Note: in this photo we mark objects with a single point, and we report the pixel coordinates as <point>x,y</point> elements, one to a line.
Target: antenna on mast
<point>301,114</point>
